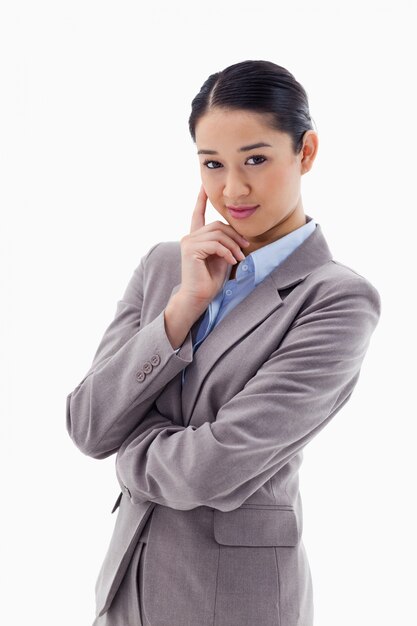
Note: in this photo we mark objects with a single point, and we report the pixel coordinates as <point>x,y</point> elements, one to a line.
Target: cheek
<point>281,181</point>
<point>213,190</point>
<point>209,183</point>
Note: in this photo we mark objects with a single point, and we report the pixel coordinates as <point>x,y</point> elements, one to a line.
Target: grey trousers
<point>126,608</point>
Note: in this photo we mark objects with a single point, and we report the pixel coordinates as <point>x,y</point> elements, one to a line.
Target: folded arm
<point>131,366</point>
<point>293,395</point>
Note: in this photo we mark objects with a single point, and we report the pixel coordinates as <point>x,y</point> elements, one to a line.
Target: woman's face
<point>268,176</point>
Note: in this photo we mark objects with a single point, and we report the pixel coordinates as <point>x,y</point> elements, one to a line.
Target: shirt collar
<point>262,261</point>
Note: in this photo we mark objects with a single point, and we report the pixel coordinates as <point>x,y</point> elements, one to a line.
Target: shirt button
<point>228,292</point>
<point>147,367</point>
<point>140,376</point>
<point>244,268</point>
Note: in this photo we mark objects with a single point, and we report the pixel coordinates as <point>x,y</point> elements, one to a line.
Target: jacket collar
<point>311,254</point>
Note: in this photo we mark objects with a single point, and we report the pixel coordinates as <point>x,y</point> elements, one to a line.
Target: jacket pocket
<point>257,525</point>
<point>129,523</point>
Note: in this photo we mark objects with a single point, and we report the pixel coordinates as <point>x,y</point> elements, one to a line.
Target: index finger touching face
<point>198,216</point>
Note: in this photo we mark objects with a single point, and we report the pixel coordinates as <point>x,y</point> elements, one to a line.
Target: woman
<point>229,351</point>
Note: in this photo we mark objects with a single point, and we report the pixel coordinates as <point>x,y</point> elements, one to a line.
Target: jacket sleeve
<point>293,395</point>
<point>131,366</point>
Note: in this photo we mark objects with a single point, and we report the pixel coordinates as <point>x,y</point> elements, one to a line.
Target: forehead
<point>220,127</point>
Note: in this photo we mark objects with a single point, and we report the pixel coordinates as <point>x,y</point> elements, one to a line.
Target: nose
<point>235,186</point>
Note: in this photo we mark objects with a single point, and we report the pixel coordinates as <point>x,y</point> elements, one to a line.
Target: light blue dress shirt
<point>249,272</point>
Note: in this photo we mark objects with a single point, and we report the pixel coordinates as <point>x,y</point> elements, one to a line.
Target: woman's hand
<point>206,253</point>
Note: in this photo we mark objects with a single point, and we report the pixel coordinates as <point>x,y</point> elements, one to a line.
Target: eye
<point>258,156</point>
<point>207,161</point>
<point>255,156</point>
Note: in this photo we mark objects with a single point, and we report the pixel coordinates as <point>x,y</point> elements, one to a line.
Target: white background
<point>96,166</point>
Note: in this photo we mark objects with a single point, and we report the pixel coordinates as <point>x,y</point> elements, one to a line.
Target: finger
<point>218,227</point>
<point>197,218</point>
<point>214,247</point>
<point>233,244</point>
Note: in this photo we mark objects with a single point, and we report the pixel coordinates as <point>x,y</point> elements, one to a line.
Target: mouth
<point>242,207</point>
<point>242,211</point>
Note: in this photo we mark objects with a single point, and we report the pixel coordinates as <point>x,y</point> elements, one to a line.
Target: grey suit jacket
<point>213,467</point>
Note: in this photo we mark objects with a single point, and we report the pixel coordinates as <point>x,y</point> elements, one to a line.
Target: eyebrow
<point>242,149</point>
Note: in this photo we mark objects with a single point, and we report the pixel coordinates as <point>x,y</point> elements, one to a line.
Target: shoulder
<point>335,281</point>
<point>163,252</point>
<point>162,267</point>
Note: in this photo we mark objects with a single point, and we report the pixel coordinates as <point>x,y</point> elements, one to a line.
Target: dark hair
<point>259,86</point>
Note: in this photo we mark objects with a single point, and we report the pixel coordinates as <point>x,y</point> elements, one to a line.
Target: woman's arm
<point>131,366</point>
<point>295,393</point>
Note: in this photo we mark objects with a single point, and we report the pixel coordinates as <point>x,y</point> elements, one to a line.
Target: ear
<point>309,150</point>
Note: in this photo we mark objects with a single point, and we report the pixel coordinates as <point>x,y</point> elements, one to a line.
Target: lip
<point>242,207</point>
<point>242,213</point>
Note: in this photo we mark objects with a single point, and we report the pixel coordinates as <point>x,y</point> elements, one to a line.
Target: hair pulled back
<point>259,86</point>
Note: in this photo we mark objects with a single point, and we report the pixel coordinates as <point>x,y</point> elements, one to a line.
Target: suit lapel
<point>246,315</point>
<point>260,303</point>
